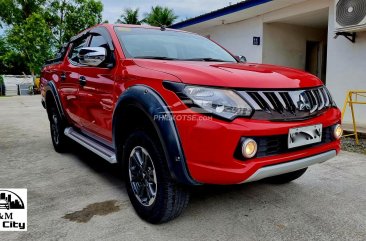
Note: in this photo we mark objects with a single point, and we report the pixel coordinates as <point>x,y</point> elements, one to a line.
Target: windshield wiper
<point>207,60</point>
<point>155,57</point>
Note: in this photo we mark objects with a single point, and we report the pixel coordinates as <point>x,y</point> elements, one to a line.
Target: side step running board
<point>92,145</point>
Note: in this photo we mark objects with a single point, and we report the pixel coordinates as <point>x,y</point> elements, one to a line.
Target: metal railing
<point>354,97</point>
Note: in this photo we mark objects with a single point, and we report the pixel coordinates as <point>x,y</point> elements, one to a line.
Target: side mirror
<point>92,56</point>
<point>241,58</point>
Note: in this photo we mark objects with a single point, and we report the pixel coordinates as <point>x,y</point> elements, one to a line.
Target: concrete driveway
<point>78,196</point>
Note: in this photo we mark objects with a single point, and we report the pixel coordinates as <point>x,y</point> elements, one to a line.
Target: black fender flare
<point>152,104</point>
<point>50,89</point>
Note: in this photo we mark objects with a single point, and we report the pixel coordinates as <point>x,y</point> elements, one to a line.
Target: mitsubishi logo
<point>304,102</point>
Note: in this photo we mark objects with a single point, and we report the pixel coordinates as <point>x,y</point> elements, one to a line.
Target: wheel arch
<point>141,104</point>
<point>52,98</point>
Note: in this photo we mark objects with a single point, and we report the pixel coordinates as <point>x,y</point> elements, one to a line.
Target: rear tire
<point>286,178</point>
<point>155,197</point>
<point>59,140</point>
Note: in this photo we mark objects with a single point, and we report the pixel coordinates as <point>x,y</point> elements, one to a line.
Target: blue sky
<point>183,8</point>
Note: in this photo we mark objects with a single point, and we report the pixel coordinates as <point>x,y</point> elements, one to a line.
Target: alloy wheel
<point>54,129</point>
<point>142,176</point>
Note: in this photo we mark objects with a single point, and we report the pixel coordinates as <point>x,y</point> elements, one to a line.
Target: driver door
<point>96,93</point>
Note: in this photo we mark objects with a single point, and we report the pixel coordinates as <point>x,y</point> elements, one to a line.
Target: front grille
<point>275,145</point>
<point>288,105</point>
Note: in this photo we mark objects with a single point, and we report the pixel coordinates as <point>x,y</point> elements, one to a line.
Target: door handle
<point>63,77</point>
<point>82,80</point>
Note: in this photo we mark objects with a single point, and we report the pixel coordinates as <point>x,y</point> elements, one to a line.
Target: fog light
<point>337,131</point>
<point>249,148</point>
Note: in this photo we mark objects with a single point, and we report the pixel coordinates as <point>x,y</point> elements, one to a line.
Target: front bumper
<point>209,146</point>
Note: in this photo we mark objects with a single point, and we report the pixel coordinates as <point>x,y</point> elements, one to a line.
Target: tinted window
<point>154,43</point>
<point>77,45</point>
<point>98,41</point>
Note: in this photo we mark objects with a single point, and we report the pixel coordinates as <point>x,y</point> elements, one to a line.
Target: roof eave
<point>219,13</point>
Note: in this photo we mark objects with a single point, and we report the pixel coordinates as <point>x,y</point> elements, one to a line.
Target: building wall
<point>346,67</point>
<point>238,37</point>
<point>285,44</point>
<point>346,62</point>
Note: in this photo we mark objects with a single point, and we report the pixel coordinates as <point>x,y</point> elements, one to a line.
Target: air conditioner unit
<point>350,15</point>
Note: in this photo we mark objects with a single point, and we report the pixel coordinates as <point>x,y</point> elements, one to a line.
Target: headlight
<point>223,103</point>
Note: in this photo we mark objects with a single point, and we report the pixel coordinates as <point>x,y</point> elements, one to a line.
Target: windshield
<point>169,45</point>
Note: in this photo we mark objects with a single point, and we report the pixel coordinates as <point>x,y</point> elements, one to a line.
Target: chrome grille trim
<point>322,104</point>
<point>287,104</point>
<point>281,100</point>
<point>315,105</point>
<point>266,100</point>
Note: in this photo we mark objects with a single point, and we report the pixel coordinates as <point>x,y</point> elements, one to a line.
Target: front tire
<point>286,178</point>
<point>59,140</point>
<point>155,197</point>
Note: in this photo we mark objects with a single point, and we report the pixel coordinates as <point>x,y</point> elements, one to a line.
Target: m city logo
<point>13,209</point>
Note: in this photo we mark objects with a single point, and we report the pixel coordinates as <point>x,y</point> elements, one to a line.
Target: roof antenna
<point>162,26</point>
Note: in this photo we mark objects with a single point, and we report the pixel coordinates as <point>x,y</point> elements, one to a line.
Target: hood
<point>233,75</point>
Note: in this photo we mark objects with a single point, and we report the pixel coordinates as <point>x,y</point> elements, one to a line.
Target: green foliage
<point>32,41</point>
<point>67,18</point>
<point>17,11</point>
<point>160,16</point>
<point>36,28</point>
<point>130,16</point>
<point>2,87</point>
<point>10,62</point>
<point>81,15</point>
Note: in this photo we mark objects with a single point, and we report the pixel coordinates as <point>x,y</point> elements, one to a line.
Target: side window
<point>99,41</point>
<point>76,46</point>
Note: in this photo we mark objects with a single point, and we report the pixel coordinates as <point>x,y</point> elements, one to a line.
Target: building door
<point>316,52</point>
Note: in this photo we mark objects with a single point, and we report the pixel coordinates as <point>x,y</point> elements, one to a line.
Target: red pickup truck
<point>175,109</point>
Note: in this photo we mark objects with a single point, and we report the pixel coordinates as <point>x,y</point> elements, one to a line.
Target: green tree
<point>10,61</point>
<point>68,18</point>
<point>81,15</point>
<point>17,11</point>
<point>130,16</point>
<point>36,28</point>
<point>31,41</point>
<point>160,16</point>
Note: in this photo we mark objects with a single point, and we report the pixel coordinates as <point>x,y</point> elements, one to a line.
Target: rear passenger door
<point>96,94</point>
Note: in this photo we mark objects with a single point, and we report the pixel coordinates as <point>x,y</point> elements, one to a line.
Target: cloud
<point>183,8</point>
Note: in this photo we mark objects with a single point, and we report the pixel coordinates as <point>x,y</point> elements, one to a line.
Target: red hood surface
<point>233,75</point>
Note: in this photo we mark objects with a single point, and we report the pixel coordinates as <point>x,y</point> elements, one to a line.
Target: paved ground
<point>65,191</point>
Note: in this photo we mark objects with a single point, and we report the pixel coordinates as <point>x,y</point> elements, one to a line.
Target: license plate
<point>302,136</point>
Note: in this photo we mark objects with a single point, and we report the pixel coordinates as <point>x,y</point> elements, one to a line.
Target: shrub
<point>2,86</point>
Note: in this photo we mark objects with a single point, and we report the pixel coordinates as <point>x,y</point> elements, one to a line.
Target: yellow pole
<point>353,119</point>
<point>345,104</point>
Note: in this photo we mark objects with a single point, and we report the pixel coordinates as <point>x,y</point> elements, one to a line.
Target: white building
<point>295,33</point>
